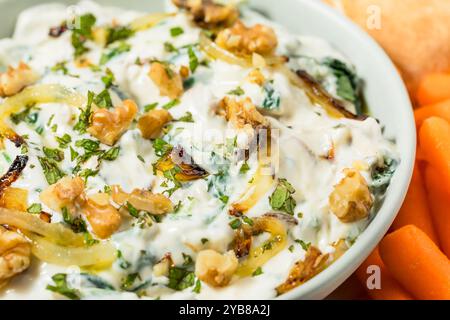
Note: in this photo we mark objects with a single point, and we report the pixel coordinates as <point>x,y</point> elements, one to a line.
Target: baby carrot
<point>417,263</point>
<point>439,201</point>
<point>415,208</point>
<point>390,288</point>
<point>434,88</point>
<point>441,109</point>
<point>434,140</point>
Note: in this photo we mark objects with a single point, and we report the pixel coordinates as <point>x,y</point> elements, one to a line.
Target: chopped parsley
<point>35,208</point>
<point>305,245</point>
<point>60,66</point>
<point>82,33</point>
<point>54,154</point>
<point>108,79</point>
<point>86,173</point>
<point>171,104</point>
<point>88,144</point>
<point>187,117</point>
<point>235,224</point>
<point>169,47</point>
<point>161,147</point>
<point>132,210</point>
<point>64,141</point>
<point>193,60</point>
<point>150,106</point>
<point>51,170</point>
<point>103,99</point>
<point>244,168</point>
<point>257,272</point>
<point>237,92</point>
<point>281,199</point>
<point>180,278</point>
<point>25,116</point>
<point>141,158</point>
<point>60,286</point>
<point>111,154</point>
<point>84,119</point>
<point>118,33</point>
<point>176,31</point>
<point>122,47</point>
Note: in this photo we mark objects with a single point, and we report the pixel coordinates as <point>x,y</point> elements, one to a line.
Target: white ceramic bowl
<point>384,91</point>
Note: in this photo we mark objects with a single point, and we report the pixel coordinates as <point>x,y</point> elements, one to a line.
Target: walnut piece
<point>152,123</point>
<point>63,193</point>
<point>242,40</point>
<point>103,217</point>
<point>15,254</point>
<point>169,82</point>
<point>241,113</point>
<point>302,271</point>
<point>255,76</point>
<point>214,268</point>
<point>351,200</point>
<point>109,125</point>
<point>15,79</point>
<point>208,14</point>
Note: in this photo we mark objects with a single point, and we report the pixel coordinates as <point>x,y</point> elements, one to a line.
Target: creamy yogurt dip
<point>237,227</point>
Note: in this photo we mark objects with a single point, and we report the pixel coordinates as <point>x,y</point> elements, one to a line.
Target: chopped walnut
<point>15,79</point>
<point>351,200</point>
<point>241,40</point>
<point>302,271</point>
<point>103,217</point>
<point>152,123</point>
<point>168,81</point>
<point>63,194</point>
<point>255,76</point>
<point>108,126</point>
<point>14,198</point>
<point>15,254</point>
<point>208,14</point>
<point>241,113</point>
<point>214,268</point>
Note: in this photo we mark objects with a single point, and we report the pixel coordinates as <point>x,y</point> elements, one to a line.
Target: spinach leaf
<point>382,175</point>
<point>272,97</point>
<point>348,83</point>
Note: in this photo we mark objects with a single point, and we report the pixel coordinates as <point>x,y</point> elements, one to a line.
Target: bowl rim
<point>343,267</point>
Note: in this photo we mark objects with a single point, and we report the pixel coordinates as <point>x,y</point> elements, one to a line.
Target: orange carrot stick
<point>441,110</point>
<point>434,139</point>
<point>439,201</point>
<point>415,208</point>
<point>434,88</point>
<point>390,288</point>
<point>417,263</point>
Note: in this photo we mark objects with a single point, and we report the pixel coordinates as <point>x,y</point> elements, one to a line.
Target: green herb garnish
<point>51,170</point>
<point>281,199</point>
<point>35,208</point>
<point>60,286</point>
